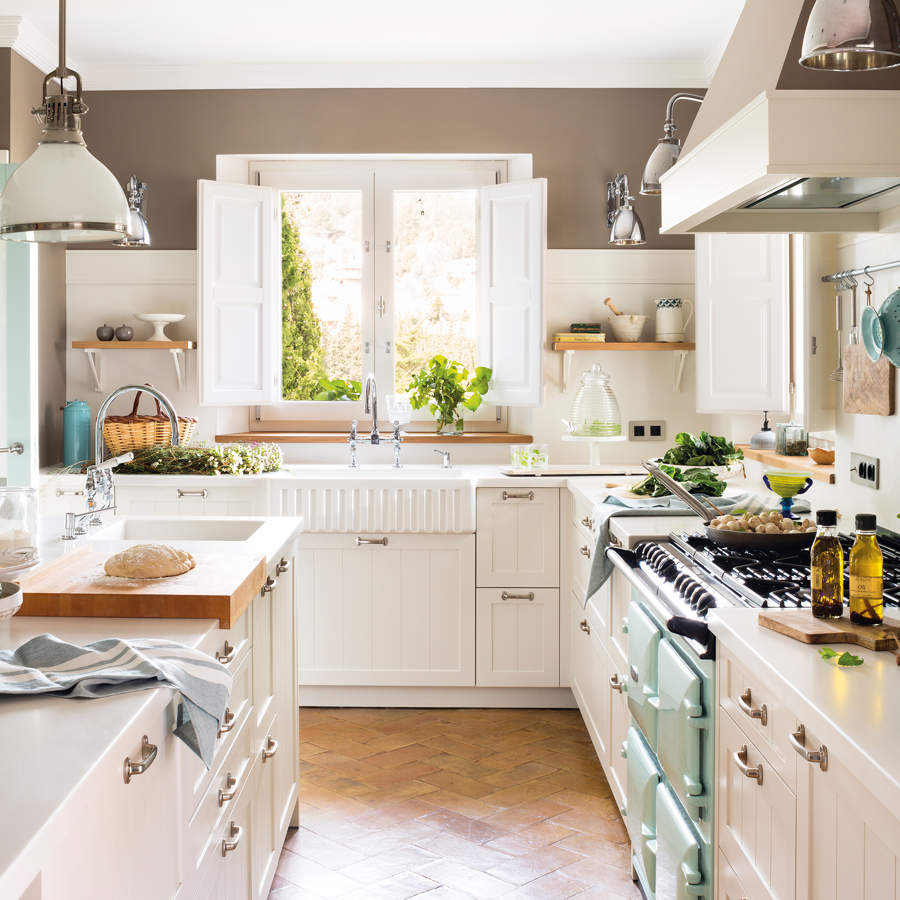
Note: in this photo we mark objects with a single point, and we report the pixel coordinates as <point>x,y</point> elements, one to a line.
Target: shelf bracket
<point>178,359</point>
<point>566,368</point>
<point>680,360</point>
<point>93,358</point>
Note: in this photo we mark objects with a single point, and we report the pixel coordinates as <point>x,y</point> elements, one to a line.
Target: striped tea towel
<point>45,664</point>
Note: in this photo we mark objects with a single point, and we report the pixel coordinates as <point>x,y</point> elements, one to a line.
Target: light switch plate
<point>865,470</point>
<point>647,430</point>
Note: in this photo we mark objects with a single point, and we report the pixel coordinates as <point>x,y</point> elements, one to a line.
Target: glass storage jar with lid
<point>595,410</point>
<point>18,529</point>
<point>790,439</point>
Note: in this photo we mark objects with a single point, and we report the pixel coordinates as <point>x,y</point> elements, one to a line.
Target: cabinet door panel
<point>743,303</point>
<point>620,721</point>
<point>517,537</point>
<point>517,637</point>
<point>589,676</point>
<point>395,614</point>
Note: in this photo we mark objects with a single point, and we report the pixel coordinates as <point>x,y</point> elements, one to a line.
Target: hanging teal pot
<point>880,330</point>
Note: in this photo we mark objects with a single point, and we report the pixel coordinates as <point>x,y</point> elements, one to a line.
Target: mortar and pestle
<point>624,327</point>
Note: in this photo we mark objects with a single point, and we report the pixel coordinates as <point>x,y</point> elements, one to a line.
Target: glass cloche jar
<point>595,410</point>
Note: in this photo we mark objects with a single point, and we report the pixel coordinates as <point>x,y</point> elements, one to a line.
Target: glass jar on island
<point>827,568</point>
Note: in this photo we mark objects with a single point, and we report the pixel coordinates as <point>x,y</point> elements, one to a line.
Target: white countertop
<point>49,745</point>
<point>855,712</point>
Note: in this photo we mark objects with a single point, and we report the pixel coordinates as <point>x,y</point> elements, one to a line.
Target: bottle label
<point>816,578</point>
<point>866,587</point>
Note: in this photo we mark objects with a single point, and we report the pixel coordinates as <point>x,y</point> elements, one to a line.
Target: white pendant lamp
<point>61,193</point>
<point>667,150</point>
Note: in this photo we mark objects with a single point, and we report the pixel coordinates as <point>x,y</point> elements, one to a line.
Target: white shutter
<point>512,244</point>
<point>743,322</point>
<point>239,274</point>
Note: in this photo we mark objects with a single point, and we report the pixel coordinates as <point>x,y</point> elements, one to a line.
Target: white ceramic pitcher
<point>671,321</point>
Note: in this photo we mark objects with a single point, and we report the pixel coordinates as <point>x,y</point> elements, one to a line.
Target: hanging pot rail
<point>865,270</point>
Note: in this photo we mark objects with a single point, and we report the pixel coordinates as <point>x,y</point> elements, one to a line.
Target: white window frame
<point>393,173</point>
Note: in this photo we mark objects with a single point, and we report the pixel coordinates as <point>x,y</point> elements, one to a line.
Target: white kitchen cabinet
<point>729,886</point>
<point>518,535</point>
<point>394,609</point>
<point>517,637</point>
<point>231,498</point>
<point>619,723</point>
<point>743,303</point>
<point>590,676</point>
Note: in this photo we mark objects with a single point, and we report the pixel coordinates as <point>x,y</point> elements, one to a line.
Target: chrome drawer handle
<point>226,655</point>
<point>148,754</point>
<point>235,833</point>
<point>798,742</point>
<point>16,449</point>
<point>506,595</point>
<point>585,551</point>
<point>745,703</point>
<point>740,760</point>
<point>361,541</point>
<point>616,683</point>
<point>583,625</point>
<point>283,566</point>
<point>203,493</point>
<point>517,495</point>
<point>269,586</point>
<point>588,522</point>
<point>61,493</point>
<point>229,790</point>
<point>270,749</point>
<point>227,723</point>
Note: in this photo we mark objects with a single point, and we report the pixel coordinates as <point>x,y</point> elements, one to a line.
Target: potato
<point>760,529</point>
<point>772,528</point>
<point>754,522</point>
<point>775,516</point>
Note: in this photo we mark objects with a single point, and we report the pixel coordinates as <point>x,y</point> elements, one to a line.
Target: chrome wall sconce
<point>625,226</point>
<point>137,233</point>
<point>852,35</point>
<point>667,150</point>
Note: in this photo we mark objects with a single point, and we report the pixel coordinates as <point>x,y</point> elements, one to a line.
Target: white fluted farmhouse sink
<point>160,528</point>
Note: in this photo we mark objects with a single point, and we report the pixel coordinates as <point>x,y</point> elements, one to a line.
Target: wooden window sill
<point>791,463</point>
<point>340,437</point>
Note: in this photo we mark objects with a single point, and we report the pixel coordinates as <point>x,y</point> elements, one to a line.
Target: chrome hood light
<point>137,232</point>
<point>625,226</point>
<point>62,193</point>
<point>852,35</point>
<point>667,150</point>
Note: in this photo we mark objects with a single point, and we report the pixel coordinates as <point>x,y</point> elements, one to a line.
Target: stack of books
<point>587,332</point>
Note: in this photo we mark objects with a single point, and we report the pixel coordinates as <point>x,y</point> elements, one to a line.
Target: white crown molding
<point>19,34</point>
<point>576,74</point>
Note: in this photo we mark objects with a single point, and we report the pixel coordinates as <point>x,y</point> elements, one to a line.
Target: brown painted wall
<point>579,139</point>
<point>25,93</point>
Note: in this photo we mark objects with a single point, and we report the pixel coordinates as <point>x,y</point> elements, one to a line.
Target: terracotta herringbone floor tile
<point>452,804</point>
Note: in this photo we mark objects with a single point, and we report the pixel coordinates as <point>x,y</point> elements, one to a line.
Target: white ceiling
<point>126,44</point>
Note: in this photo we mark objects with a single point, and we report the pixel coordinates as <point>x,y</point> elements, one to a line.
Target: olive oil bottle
<point>866,572</point>
<point>827,568</point>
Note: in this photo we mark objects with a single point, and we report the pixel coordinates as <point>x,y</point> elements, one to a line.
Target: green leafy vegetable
<point>843,659</point>
<point>696,479</point>
<point>444,386</point>
<point>706,450</point>
<point>221,459</point>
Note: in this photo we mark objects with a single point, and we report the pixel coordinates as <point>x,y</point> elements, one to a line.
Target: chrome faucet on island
<point>99,485</point>
<point>370,400</point>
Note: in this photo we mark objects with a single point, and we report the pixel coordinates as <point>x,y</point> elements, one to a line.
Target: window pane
<point>435,279</point>
<point>321,293</point>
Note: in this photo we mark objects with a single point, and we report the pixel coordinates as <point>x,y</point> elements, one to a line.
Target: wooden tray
<point>221,586</point>
<point>801,626</point>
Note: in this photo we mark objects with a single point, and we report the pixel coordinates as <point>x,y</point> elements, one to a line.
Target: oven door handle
<point>694,630</point>
<point>629,557</point>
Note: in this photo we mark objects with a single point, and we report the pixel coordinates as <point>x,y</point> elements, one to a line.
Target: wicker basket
<point>133,432</point>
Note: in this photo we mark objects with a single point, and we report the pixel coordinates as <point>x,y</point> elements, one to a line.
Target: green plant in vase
<point>446,388</point>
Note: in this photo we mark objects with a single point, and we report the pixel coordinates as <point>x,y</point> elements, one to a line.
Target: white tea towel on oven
<point>47,665</point>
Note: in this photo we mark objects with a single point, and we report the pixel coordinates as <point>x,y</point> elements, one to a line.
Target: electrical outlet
<point>647,431</point>
<point>865,470</point>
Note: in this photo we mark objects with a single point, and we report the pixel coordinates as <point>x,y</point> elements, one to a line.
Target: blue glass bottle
<point>76,432</point>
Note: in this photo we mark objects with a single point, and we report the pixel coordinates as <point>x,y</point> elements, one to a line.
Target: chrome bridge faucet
<point>100,490</point>
<point>370,399</point>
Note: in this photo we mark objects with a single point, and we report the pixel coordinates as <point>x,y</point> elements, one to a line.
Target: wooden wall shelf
<point>622,345</point>
<point>340,437</point>
<point>92,349</point>
<point>804,464</point>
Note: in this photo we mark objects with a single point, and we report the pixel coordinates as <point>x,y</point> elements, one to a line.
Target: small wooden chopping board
<point>868,386</point>
<point>801,626</point>
<point>221,586</point>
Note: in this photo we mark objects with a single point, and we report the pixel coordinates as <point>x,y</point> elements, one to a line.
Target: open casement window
<point>239,260</point>
<point>386,263</point>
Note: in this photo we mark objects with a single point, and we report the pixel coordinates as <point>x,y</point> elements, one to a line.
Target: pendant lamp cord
<point>61,69</point>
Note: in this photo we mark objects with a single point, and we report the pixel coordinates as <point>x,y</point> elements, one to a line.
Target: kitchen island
<point>72,826</point>
<point>808,769</point>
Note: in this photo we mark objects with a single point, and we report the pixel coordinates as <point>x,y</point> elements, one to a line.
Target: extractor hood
<point>777,148</point>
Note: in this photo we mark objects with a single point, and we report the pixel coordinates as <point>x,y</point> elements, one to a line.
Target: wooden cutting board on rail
<point>868,387</point>
<point>801,626</point>
<point>221,586</point>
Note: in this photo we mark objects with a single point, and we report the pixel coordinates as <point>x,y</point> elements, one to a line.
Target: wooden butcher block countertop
<point>221,586</point>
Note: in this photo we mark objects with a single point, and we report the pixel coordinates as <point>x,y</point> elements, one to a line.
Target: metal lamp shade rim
<point>665,154</point>
<point>852,36</point>
<point>627,229</point>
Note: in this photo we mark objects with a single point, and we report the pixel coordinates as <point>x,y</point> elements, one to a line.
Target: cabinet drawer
<point>517,637</point>
<point>581,512</point>
<point>620,722</point>
<point>517,537</point>
<point>757,813</point>
<point>729,886</point>
<point>756,706</point>
<point>581,557</point>
<point>196,497</point>
<point>589,676</point>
